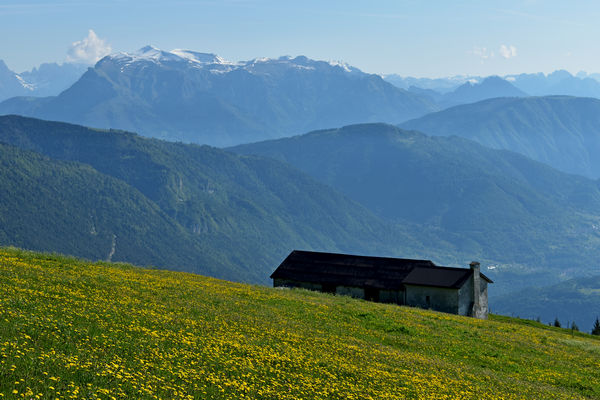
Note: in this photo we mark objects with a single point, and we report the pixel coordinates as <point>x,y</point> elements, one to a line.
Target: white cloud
<point>508,51</point>
<point>485,54</point>
<point>481,52</point>
<point>88,50</point>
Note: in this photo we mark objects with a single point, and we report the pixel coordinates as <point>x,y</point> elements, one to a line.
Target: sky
<point>432,38</point>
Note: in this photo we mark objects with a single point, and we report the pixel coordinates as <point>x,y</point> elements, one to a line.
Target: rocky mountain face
<point>196,97</point>
<point>48,79</point>
<point>11,83</point>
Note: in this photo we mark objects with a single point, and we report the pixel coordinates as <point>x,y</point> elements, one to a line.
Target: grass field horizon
<point>72,329</point>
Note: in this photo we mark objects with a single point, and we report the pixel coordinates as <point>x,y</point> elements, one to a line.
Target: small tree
<point>556,323</point>
<point>574,326</point>
<point>596,329</point>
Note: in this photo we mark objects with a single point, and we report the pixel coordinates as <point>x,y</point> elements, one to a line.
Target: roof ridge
<point>360,256</point>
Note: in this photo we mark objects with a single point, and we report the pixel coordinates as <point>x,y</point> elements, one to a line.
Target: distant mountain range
<point>561,131</point>
<point>559,82</point>
<point>195,97</point>
<point>488,88</point>
<point>47,80</point>
<point>438,85</point>
<point>50,79</point>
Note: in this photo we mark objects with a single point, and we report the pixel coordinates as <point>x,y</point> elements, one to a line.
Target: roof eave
<point>486,278</point>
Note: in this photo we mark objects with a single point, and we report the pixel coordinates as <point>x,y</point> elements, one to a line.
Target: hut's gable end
<point>483,300</point>
<point>465,298</point>
<point>434,298</point>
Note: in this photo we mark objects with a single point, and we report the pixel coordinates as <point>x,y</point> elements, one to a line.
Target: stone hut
<point>417,283</point>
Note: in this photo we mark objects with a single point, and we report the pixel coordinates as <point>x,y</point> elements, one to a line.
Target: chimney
<point>477,311</point>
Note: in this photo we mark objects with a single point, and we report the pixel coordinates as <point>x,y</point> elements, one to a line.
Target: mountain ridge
<point>489,87</point>
<point>561,131</point>
<point>246,211</point>
<point>164,95</point>
<point>492,204</point>
<point>46,80</point>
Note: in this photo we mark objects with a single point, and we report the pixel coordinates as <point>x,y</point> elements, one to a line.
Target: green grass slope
<point>560,131</point>
<point>70,329</point>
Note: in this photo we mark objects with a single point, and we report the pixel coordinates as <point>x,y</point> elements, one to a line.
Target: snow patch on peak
<point>156,54</point>
<point>25,84</point>
<point>215,64</point>
<point>260,60</point>
<point>265,65</point>
<point>201,58</point>
<point>148,49</point>
<point>345,66</point>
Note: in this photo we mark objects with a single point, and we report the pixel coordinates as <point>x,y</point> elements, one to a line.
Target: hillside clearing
<point>74,329</point>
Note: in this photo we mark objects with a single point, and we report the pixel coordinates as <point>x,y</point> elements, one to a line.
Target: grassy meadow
<point>71,329</point>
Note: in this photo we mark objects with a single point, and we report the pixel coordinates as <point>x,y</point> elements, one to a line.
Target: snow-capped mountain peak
<point>278,65</point>
<point>151,54</point>
<point>200,58</point>
<point>156,54</point>
<point>345,66</point>
<point>215,64</point>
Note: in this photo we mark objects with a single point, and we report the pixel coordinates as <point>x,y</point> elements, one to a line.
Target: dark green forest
<point>189,207</point>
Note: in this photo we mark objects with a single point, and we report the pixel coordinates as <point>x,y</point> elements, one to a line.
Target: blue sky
<point>417,38</point>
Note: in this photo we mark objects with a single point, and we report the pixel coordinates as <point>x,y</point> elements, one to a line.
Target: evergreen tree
<point>596,329</point>
<point>556,323</point>
<point>574,326</point>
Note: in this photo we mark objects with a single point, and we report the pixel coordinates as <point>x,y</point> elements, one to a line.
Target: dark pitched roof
<point>438,276</point>
<point>359,271</point>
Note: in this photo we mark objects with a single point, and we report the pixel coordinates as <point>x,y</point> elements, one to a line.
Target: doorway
<point>371,294</point>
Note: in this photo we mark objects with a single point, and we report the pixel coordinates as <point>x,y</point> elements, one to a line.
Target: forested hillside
<point>491,204</point>
<point>224,215</point>
<point>561,131</point>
